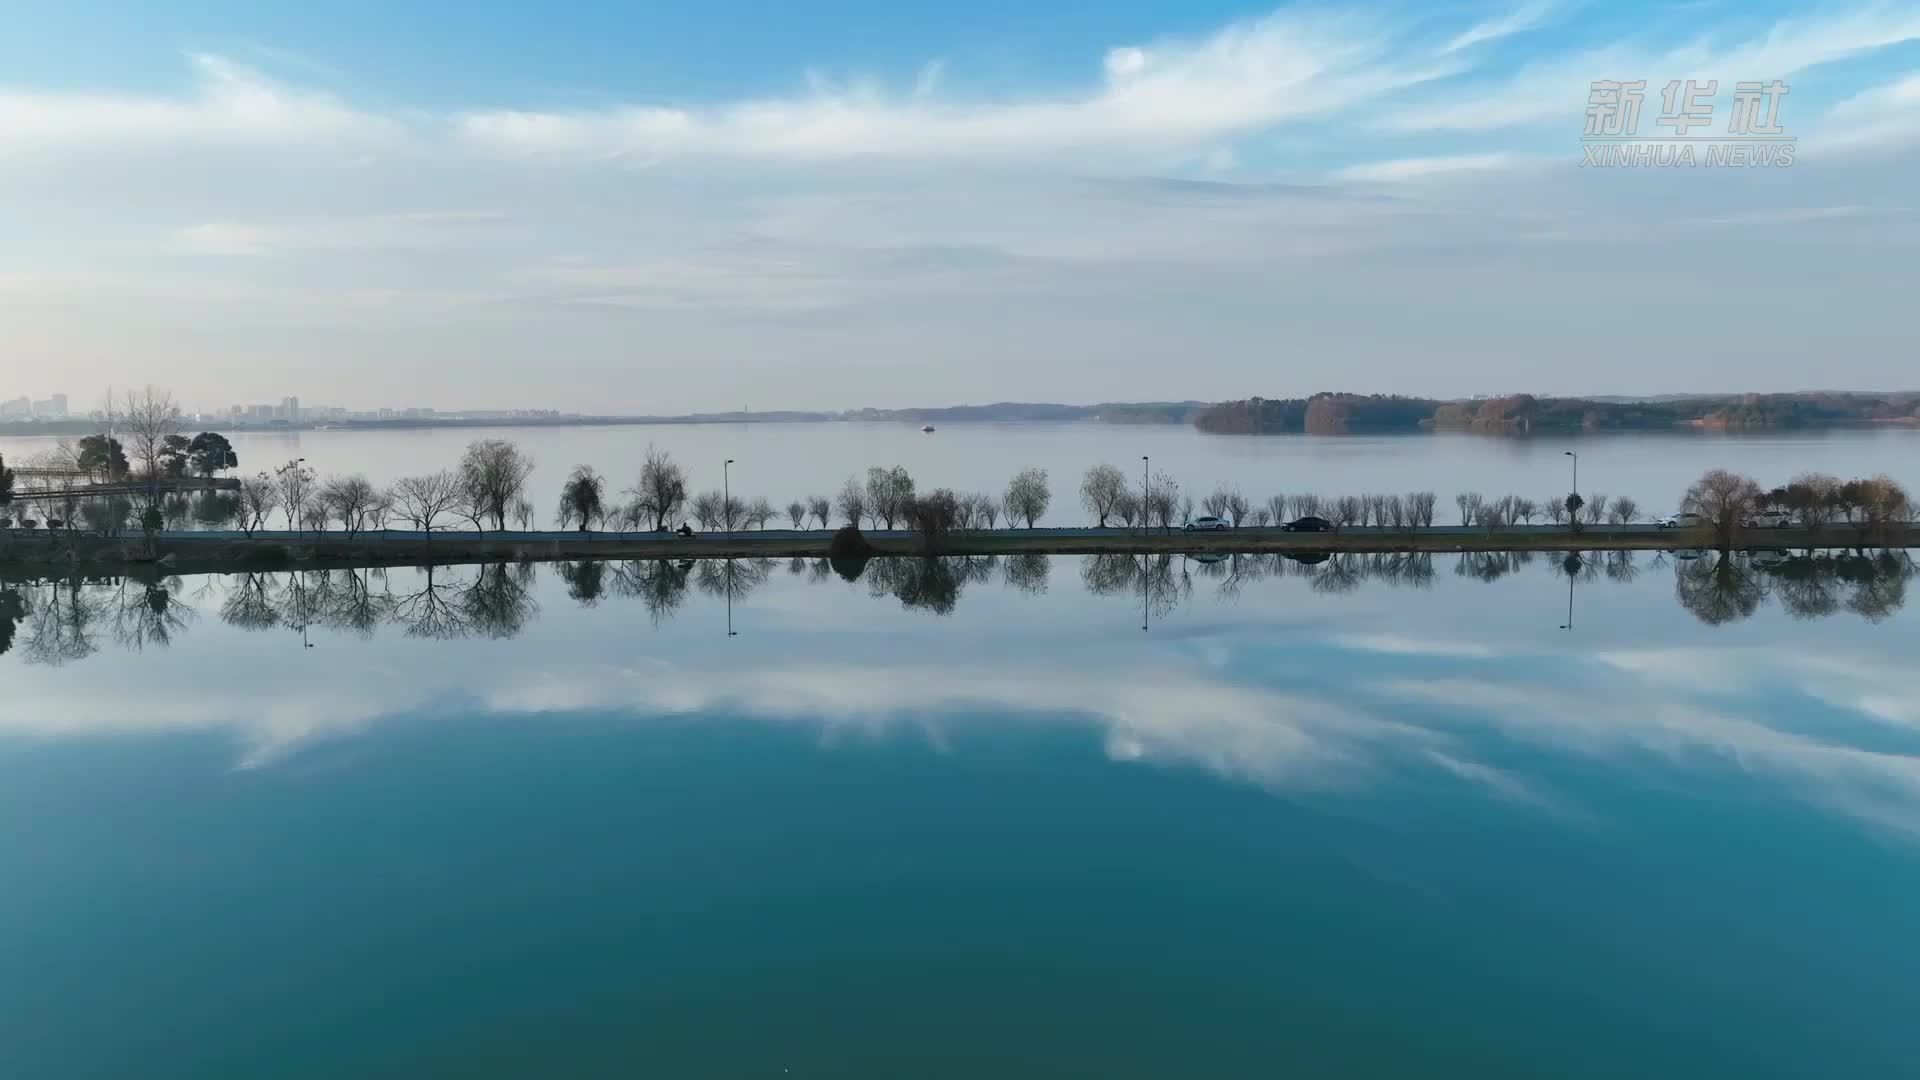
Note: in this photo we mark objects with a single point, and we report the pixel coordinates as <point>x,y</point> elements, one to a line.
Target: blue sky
<point>674,207</point>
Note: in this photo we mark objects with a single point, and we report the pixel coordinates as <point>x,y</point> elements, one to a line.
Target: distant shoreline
<point>1518,415</point>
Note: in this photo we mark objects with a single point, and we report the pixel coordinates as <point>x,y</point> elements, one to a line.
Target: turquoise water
<point>1356,819</point>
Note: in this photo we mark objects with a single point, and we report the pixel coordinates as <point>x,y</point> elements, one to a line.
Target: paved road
<point>1074,533</point>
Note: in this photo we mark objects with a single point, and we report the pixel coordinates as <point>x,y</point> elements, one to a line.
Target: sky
<point>654,208</point>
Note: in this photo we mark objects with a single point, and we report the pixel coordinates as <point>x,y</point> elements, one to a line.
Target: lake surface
<point>1490,816</point>
<point>785,461</point>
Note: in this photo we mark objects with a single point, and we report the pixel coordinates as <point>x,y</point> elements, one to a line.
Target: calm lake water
<point>1367,817</point>
<point>785,461</point>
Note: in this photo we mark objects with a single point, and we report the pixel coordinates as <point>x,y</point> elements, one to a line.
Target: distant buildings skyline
<point>25,408</point>
<point>288,412</point>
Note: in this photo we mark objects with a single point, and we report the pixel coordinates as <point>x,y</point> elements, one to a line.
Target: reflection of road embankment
<point>217,550</point>
<point>56,616</point>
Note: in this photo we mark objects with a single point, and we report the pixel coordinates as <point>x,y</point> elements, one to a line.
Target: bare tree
<point>1392,512</point>
<point>1162,504</point>
<point>1215,504</point>
<point>1237,506</point>
<point>423,501</point>
<point>821,508</point>
<point>1469,503</point>
<point>1725,499</point>
<point>1507,507</point>
<point>1262,518</point>
<point>295,482</point>
<point>493,476</point>
<point>259,497</point>
<point>149,418</point>
<point>1277,507</point>
<point>661,493</point>
<point>1524,509</point>
<point>1028,496</point>
<point>1420,507</point>
<point>797,513</point>
<point>852,502</point>
<point>988,507</point>
<point>1309,506</point>
<point>1883,502</point>
<point>1345,510</point>
<point>1812,497</point>
<point>1624,511</point>
<point>314,513</point>
<point>710,509</point>
<point>1595,509</point>
<point>933,515</point>
<point>758,512</point>
<point>582,499</point>
<point>889,494</point>
<point>352,501</point>
<point>1101,492</point>
<point>1555,510</point>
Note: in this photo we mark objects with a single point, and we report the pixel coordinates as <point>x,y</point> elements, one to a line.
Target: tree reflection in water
<point>1719,589</point>
<point>732,579</point>
<point>1155,579</point>
<point>13,611</point>
<point>145,611</point>
<point>1028,573</point>
<point>57,620</point>
<point>661,584</point>
<point>586,579</point>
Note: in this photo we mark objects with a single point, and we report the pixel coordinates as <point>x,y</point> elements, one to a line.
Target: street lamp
<point>1146,490</point>
<point>726,495</point>
<point>1576,469</point>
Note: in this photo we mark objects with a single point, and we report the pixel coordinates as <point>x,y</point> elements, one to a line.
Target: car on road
<point>1770,519</point>
<point>1207,523</point>
<point>1683,520</point>
<point>1310,523</point>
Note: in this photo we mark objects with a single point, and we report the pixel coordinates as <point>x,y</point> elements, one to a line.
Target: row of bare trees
<point>1726,500</point>
<point>488,489</point>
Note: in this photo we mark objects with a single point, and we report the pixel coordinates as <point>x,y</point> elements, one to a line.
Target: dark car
<point>1309,558</point>
<point>1310,523</point>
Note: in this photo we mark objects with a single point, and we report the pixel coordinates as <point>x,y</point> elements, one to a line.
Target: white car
<point>1684,520</point>
<point>1207,523</point>
<point>1770,519</point>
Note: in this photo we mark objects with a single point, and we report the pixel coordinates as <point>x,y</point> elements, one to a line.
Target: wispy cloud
<point>1415,168</point>
<point>1156,97</point>
<point>229,101</point>
<point>1279,175</point>
<point>1882,115</point>
<point>419,230</point>
<point>1523,18</point>
<point>1869,785</point>
<point>1558,86</point>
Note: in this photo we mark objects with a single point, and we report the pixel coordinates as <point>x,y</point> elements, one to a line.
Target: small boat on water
<point>928,429</point>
